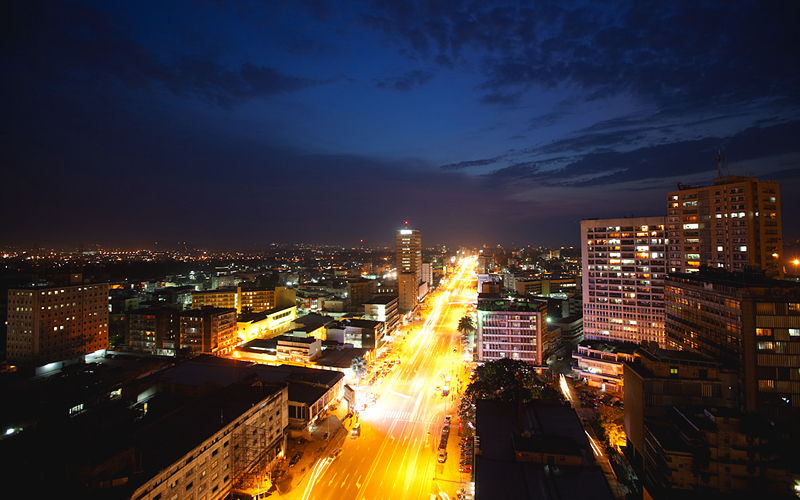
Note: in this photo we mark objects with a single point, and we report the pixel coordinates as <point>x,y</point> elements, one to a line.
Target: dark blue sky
<point>231,124</point>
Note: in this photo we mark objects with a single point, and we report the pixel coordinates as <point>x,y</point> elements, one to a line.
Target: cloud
<point>596,166</point>
<point>648,49</point>
<point>470,163</point>
<point>66,43</point>
<point>408,81</point>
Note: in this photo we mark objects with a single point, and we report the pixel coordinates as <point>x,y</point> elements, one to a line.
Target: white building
<point>512,329</point>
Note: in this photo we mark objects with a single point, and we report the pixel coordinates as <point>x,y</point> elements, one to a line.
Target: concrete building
<point>297,349</point>
<point>600,363</point>
<point>245,300</point>
<point>544,286</point>
<point>513,329</point>
<point>534,451</point>
<point>734,224</point>
<point>383,308</point>
<point>265,324</point>
<point>210,330</point>
<point>715,452</point>
<point>225,298</point>
<point>51,324</point>
<point>148,329</point>
<point>659,379</point>
<point>256,300</point>
<point>359,290</point>
<point>624,265</point>
<point>571,331</point>
<point>409,267</point>
<point>749,321</point>
<point>426,274</point>
<point>360,333</point>
<point>219,441</point>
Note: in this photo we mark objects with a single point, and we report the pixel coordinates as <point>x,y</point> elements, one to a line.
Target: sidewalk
<point>312,447</point>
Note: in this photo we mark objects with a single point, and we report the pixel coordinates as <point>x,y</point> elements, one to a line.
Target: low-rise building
<point>600,363</point>
<point>513,329</point>
<point>297,349</point>
<point>714,451</point>
<point>265,324</point>
<point>659,379</point>
<point>384,309</point>
<point>360,333</point>
<point>534,451</point>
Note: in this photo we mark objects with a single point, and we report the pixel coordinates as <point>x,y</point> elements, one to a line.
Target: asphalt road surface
<point>395,455</point>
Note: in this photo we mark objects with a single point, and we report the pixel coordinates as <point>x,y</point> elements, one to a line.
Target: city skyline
<point>235,125</point>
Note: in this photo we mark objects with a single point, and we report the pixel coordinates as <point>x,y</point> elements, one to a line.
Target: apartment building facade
<point>515,329</point>
<point>624,266</point>
<point>734,224</point>
<point>49,324</point>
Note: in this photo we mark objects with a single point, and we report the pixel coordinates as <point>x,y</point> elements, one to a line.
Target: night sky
<point>234,124</point>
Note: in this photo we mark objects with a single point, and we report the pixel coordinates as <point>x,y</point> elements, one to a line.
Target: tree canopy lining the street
<point>506,379</point>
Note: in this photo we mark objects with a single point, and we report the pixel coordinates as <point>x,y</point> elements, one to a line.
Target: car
<point>355,431</point>
<point>447,418</point>
<point>442,457</point>
<point>295,459</point>
<point>336,453</point>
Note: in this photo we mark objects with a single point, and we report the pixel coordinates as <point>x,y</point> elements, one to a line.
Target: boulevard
<point>394,457</point>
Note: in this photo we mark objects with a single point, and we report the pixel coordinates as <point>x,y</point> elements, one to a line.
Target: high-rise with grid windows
<point>409,267</point>
<point>733,225</point>
<point>624,265</point>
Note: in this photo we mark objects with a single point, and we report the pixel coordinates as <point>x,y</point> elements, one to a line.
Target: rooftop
<point>382,300</point>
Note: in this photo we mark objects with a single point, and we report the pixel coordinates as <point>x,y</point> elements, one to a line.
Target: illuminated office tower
<point>49,324</point>
<point>734,224</point>
<point>624,265</point>
<point>409,267</point>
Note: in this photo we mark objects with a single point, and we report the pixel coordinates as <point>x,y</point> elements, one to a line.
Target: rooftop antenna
<point>721,160</point>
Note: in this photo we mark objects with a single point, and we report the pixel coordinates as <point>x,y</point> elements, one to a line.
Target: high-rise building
<point>409,267</point>
<point>745,320</point>
<point>49,324</point>
<point>734,224</point>
<point>624,265</point>
<point>515,329</point>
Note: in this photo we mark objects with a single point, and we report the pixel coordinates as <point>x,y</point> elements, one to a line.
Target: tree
<point>508,380</point>
<point>359,367</point>
<point>466,327</point>
<point>611,421</point>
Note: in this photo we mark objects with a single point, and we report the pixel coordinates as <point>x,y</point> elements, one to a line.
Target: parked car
<point>355,431</point>
<point>295,459</point>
